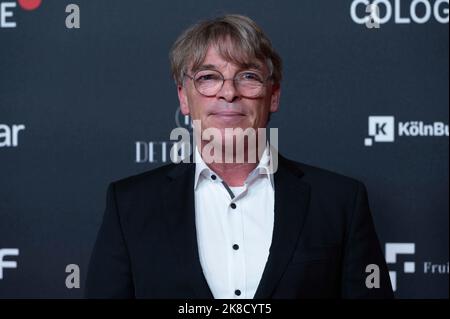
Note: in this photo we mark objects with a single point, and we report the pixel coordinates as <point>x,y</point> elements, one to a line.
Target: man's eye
<point>250,76</point>
<point>207,77</point>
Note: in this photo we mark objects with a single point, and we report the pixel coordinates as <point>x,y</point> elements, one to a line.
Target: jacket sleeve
<point>109,272</point>
<point>362,248</point>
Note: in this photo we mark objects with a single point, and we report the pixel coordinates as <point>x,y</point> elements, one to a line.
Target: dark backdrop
<point>94,100</point>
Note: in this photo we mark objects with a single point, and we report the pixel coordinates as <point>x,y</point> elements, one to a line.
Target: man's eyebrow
<point>249,65</point>
<point>205,67</point>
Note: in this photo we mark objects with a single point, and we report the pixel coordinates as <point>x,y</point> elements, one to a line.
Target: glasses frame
<point>234,79</point>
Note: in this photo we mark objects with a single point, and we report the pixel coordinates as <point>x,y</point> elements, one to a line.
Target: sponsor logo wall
<point>86,98</point>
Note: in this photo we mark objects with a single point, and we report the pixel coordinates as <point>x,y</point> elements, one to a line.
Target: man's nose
<point>228,92</point>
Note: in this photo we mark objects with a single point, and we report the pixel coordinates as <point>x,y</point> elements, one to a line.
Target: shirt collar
<point>264,167</point>
<point>201,169</point>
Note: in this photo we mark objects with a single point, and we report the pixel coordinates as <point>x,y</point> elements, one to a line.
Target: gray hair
<point>237,38</point>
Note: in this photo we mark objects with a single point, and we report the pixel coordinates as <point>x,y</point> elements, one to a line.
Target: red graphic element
<point>29,4</point>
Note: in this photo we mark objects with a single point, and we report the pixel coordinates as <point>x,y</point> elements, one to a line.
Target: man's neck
<point>234,174</point>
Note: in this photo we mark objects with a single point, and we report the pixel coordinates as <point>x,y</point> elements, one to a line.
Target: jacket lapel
<point>180,213</point>
<point>291,206</point>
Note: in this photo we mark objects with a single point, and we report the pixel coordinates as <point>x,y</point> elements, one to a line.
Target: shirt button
<point>213,177</point>
<point>235,246</point>
<point>233,205</point>
<point>237,292</point>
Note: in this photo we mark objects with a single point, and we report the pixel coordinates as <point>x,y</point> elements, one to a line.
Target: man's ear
<point>182,97</point>
<point>275,98</point>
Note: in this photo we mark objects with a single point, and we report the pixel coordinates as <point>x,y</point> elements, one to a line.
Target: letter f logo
<point>7,264</point>
<point>394,249</point>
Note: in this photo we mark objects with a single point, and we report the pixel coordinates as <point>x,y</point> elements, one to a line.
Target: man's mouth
<point>227,114</point>
<point>228,117</point>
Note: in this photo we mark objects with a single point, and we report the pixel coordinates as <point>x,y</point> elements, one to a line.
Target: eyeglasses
<point>248,83</point>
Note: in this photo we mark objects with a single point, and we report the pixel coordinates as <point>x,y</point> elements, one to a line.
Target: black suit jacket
<point>323,238</point>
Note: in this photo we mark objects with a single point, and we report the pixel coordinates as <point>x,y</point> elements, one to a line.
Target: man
<point>230,229</point>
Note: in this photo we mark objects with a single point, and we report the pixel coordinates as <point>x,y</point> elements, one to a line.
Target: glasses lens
<point>250,84</point>
<point>208,82</point>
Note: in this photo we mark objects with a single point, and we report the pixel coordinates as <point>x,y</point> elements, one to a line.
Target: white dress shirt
<point>234,234</point>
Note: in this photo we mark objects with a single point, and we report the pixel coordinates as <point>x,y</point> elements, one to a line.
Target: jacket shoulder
<point>321,177</point>
<point>144,181</point>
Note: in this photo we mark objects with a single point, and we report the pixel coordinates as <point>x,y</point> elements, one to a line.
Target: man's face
<point>228,108</point>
